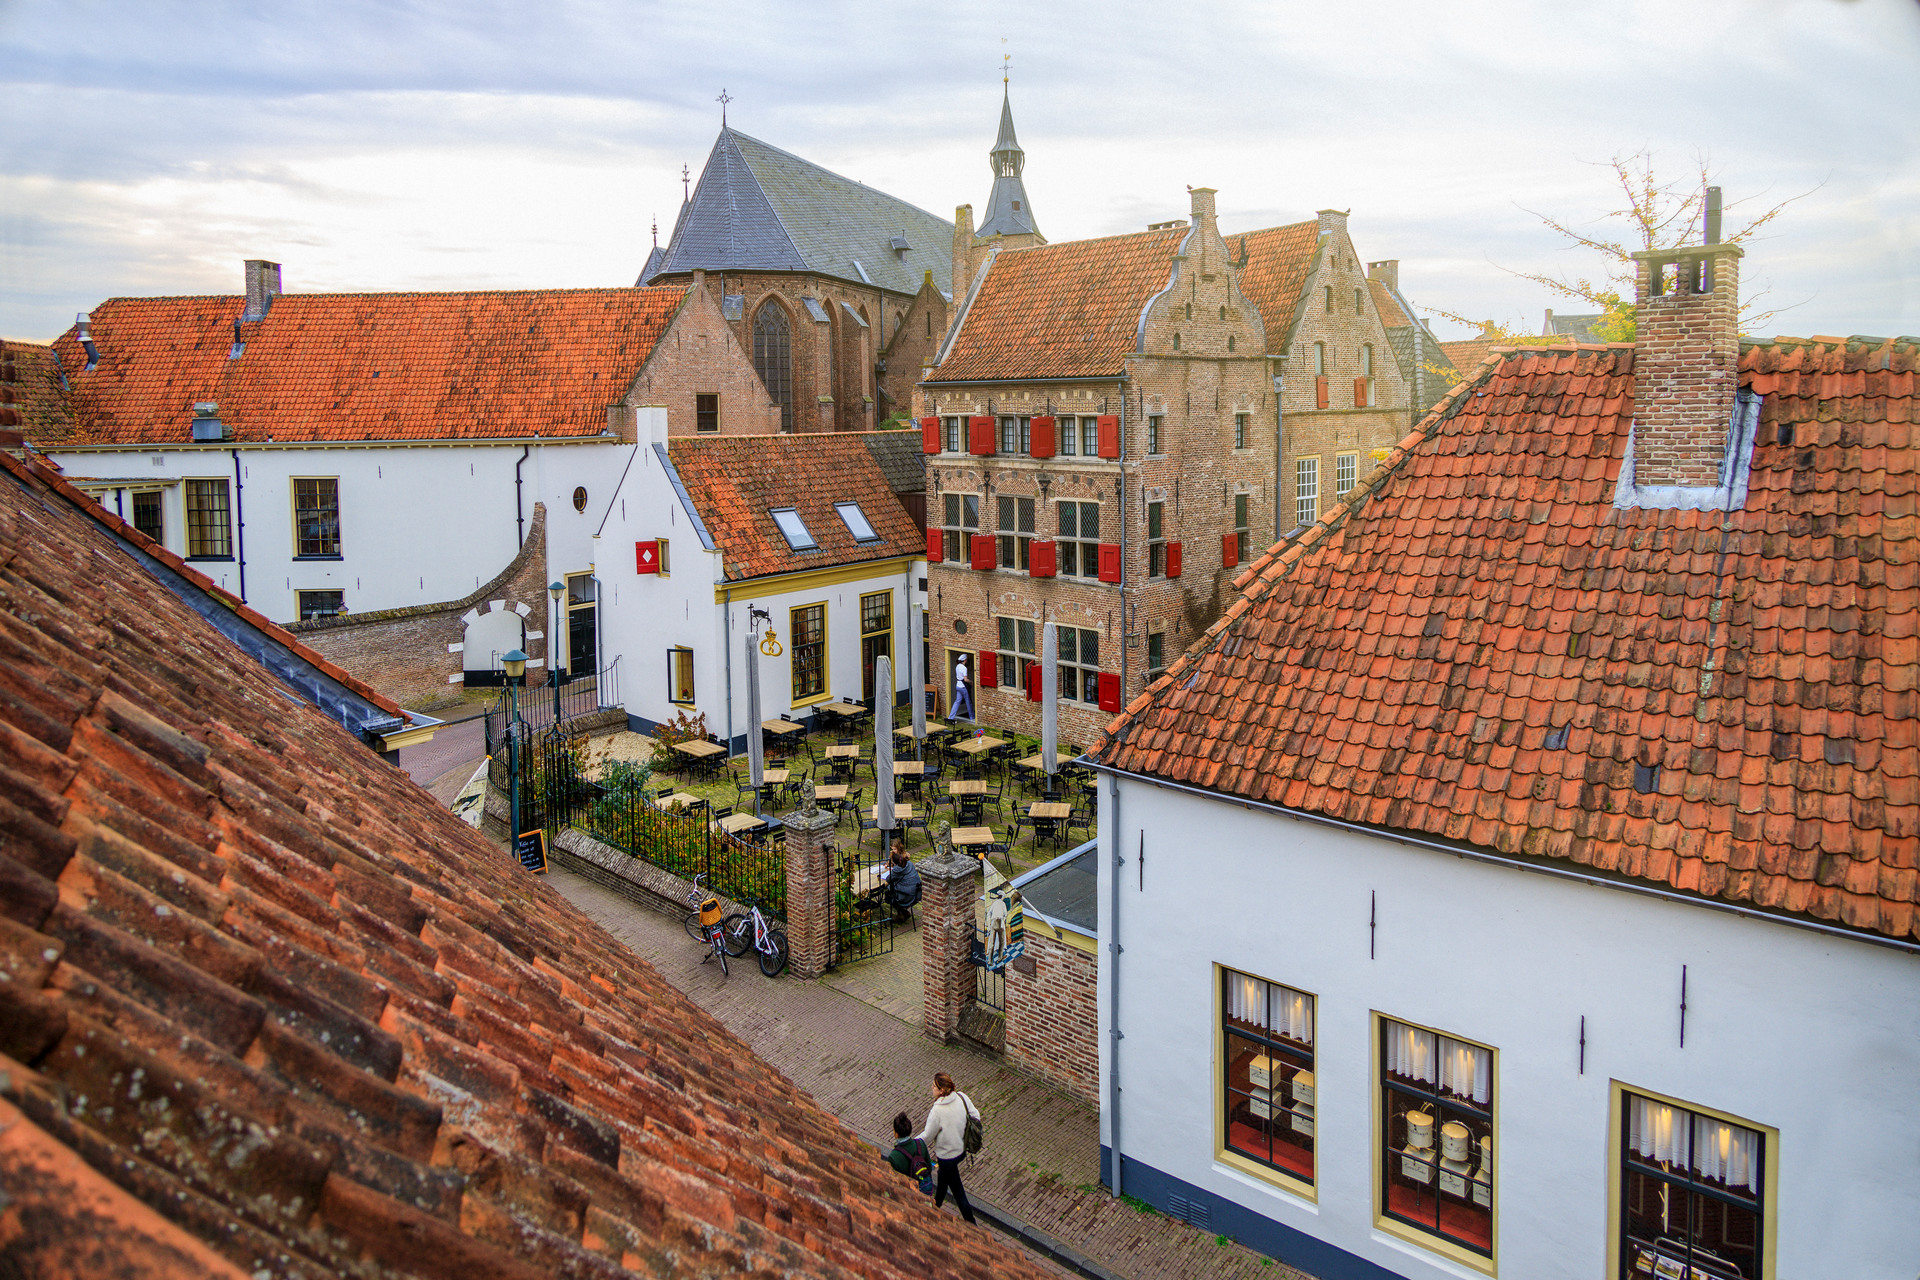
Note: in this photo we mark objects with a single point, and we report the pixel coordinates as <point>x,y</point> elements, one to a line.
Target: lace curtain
<point>1458,1067</point>
<point>1727,1153</point>
<point>1270,1006</point>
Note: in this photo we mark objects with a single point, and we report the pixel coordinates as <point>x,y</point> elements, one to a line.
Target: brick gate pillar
<point>948,892</point>
<point>809,891</point>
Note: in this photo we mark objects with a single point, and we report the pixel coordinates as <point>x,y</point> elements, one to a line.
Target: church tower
<point>1008,211</point>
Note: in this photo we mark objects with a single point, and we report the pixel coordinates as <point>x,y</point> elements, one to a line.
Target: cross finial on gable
<point>723,100</point>
<point>686,177</point>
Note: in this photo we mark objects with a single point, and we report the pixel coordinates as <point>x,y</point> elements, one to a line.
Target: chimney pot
<point>263,286</point>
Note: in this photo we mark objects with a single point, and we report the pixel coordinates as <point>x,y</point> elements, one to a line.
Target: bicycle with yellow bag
<point>707,923</point>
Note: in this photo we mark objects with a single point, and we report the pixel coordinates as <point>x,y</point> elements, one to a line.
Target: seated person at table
<point>899,882</point>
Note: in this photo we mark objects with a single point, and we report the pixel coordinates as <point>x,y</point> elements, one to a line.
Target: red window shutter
<point>646,557</point>
<point>1041,445</point>
<point>1109,435</point>
<point>1109,691</point>
<point>929,435</point>
<point>1320,392</point>
<point>1173,559</point>
<point>989,669</point>
<point>936,547</point>
<point>983,551</point>
<point>1041,558</point>
<point>980,436</point>
<point>1033,682</point>
<point>1229,549</point>
<point>1109,562</point>
<point>1359,393</point>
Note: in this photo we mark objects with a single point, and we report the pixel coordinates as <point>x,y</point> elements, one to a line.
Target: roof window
<point>856,521</point>
<point>793,529</point>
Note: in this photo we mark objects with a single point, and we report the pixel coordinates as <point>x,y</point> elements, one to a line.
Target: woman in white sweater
<point>945,1135</point>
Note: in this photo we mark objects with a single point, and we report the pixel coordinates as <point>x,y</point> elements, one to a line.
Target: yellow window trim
<point>1393,1226</point>
<point>826,655</point>
<point>1769,1199</point>
<point>293,513</point>
<point>672,652</point>
<point>1222,1153</point>
<point>806,580</point>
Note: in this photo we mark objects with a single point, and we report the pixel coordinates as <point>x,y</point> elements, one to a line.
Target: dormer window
<point>856,521</point>
<point>793,529</point>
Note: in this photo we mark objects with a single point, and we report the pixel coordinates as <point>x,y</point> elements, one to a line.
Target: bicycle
<point>755,930</point>
<point>712,928</point>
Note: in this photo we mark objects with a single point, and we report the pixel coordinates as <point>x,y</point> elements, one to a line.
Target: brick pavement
<point>841,1041</point>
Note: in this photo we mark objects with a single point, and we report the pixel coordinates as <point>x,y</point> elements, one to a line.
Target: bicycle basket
<point>710,912</point>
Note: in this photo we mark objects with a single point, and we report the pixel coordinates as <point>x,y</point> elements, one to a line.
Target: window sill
<point>681,702</point>
<point>1437,1250</point>
<point>814,701</point>
<point>1267,1179</point>
<point>209,559</point>
<point>335,556</point>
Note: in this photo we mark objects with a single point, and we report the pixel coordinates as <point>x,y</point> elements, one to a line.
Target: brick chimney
<point>962,252</point>
<point>263,286</point>
<point>1686,359</point>
<point>1387,273</point>
<point>1208,228</point>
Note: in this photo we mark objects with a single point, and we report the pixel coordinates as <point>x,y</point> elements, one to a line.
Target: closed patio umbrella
<point>1049,697</point>
<point>883,746</point>
<point>917,678</point>
<point>756,753</point>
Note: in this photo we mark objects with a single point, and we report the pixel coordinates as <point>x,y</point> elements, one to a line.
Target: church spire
<point>1008,211</point>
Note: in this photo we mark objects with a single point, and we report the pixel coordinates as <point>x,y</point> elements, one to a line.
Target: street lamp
<point>554,591</point>
<point>514,664</point>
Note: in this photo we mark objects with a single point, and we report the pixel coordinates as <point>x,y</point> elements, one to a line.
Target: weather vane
<point>685,178</point>
<point>723,100</point>
<point>1006,64</point>
<point>656,231</point>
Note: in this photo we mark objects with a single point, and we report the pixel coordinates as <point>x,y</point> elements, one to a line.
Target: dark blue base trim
<point>1226,1217</point>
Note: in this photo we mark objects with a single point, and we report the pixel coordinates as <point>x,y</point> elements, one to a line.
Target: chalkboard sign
<point>531,849</point>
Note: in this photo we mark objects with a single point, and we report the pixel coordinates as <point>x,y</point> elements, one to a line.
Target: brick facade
<point>1053,1024</point>
<point>810,846</point>
<point>701,354</point>
<point>1686,358</point>
<point>412,655</point>
<point>950,888</point>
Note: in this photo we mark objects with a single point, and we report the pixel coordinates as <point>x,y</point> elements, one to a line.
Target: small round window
<point>960,625</point>
<point>580,499</point>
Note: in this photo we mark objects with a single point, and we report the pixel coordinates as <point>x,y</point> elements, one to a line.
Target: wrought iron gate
<point>862,920</point>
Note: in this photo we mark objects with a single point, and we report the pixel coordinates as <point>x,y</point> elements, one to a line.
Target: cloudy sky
<point>150,147</point>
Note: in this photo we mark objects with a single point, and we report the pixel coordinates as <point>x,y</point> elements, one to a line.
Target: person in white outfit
<point>961,698</point>
<point>946,1136</point>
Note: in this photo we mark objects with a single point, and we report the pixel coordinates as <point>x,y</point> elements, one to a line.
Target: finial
<point>723,100</point>
<point>684,179</point>
<point>656,231</point>
<point>1006,64</point>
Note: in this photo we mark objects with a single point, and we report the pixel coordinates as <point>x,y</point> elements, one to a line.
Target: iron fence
<point>989,982</point>
<point>553,701</point>
<point>743,868</point>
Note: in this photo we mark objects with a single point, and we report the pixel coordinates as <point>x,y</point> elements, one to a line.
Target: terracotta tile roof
<point>1069,310</point>
<point>364,366</point>
<point>735,481</point>
<point>32,400</point>
<point>1277,261</point>
<point>1391,313</point>
<point>1477,647</point>
<point>1469,353</point>
<point>269,1010</point>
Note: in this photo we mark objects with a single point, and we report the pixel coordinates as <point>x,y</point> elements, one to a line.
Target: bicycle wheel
<point>718,944</point>
<point>696,930</point>
<point>773,964</point>
<point>736,933</point>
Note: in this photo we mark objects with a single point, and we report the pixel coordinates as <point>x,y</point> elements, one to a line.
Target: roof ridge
<point>1118,235</point>
<point>841,177</point>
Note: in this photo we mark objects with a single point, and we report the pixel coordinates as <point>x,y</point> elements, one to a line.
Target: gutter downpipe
<point>1279,387</point>
<point>1125,622</point>
<point>726,629</point>
<point>1113,994</point>
<point>519,512</point>
<point>240,524</point>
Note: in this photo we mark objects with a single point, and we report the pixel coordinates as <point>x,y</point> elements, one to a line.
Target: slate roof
<point>1069,310</point>
<point>735,481</point>
<point>1277,262</point>
<point>363,366</point>
<point>268,1010</point>
<point>1414,348</point>
<point>758,208</point>
<point>1009,211</point>
<point>899,457</point>
<point>33,399</point>
<point>1475,646</point>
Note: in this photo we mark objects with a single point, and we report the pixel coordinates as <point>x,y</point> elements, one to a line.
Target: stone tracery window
<point>773,358</point>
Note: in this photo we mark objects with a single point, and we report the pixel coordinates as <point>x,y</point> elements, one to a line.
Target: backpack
<point>974,1136</point>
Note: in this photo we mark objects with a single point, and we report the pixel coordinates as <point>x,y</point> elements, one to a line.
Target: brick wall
<point>1686,358</point>
<point>700,353</point>
<point>1053,1024</point>
<point>405,654</point>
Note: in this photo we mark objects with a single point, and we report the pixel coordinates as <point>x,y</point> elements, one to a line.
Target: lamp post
<point>514,664</point>
<point>554,591</point>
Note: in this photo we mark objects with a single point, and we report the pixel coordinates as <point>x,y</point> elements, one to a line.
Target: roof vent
<point>207,427</point>
<point>899,245</point>
<point>83,323</point>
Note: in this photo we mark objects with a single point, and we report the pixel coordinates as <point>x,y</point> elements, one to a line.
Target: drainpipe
<point>1113,992</point>
<point>1124,622</point>
<point>1279,384</point>
<point>519,513</point>
<point>726,645</point>
<point>240,525</point>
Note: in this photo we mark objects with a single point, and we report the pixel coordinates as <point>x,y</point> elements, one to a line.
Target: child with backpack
<point>909,1156</point>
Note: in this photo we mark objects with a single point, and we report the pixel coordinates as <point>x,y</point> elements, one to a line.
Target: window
<point>1156,652</point>
<point>876,639</point>
<point>1153,432</point>
<point>856,521</point>
<point>1306,490</point>
<point>665,560</point>
<point>962,517</point>
<point>1066,436</point>
<point>1089,437</point>
<point>706,412</point>
<point>1364,389</point>
<point>1329,295</point>
<point>1269,1085</point>
<point>146,515</point>
<point>321,604</point>
<point>1078,670</point>
<point>954,430</point>
<point>1016,651</point>
<point>1240,430</point>
<point>1692,1193</point>
<point>1359,301</point>
<point>680,675</point>
<point>1156,540</point>
<point>1016,435</point>
<point>1176,339</point>
<point>807,630</point>
<point>793,529</point>
<point>208,534</point>
<point>1016,532</point>
<point>773,358</point>
<point>1079,520</point>
<point>316,517</point>
<point>1346,467</point>
<point>1241,525</point>
<point>1436,1127</point>
<point>1319,359</point>
<point>579,498</point>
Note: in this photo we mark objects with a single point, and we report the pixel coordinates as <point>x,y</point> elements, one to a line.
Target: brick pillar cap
<point>801,820</point>
<point>951,866</point>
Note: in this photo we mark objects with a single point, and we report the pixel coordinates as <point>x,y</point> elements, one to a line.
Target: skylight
<point>856,521</point>
<point>793,529</point>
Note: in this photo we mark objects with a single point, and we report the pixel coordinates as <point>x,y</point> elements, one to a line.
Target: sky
<point>150,148</point>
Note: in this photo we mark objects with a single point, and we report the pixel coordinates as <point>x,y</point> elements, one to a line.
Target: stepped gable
<point>353,367</point>
<point>1068,310</point>
<point>1477,647</point>
<point>268,1010</point>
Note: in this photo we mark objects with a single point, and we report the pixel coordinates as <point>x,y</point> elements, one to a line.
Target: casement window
<point>1240,430</point>
<point>1078,669</point>
<point>1156,652</point>
<point>1079,543</point>
<point>1346,469</point>
<point>1154,422</point>
<point>680,675</point>
<point>706,411</point>
<point>793,529</point>
<point>209,535</point>
<point>147,517</point>
<point>1363,385</point>
<point>316,517</point>
<point>1017,650</point>
<point>1066,436</point>
<point>1319,359</point>
<point>1016,435</point>
<point>1269,1086</point>
<point>1437,1136</point>
<point>807,645</point>
<point>1156,540</point>
<point>1692,1193</point>
<point>1242,525</point>
<point>876,638</point>
<point>1016,532</point>
<point>1089,437</point>
<point>961,517</point>
<point>954,434</point>
<point>1306,490</point>
<point>321,604</point>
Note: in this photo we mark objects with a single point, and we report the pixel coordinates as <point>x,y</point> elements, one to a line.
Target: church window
<point>773,358</point>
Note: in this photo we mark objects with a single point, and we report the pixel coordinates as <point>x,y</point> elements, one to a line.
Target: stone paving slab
<point>864,1064</point>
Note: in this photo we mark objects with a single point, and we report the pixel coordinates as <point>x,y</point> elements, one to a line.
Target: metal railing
<point>989,984</point>
<point>742,868</point>
<point>556,700</point>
